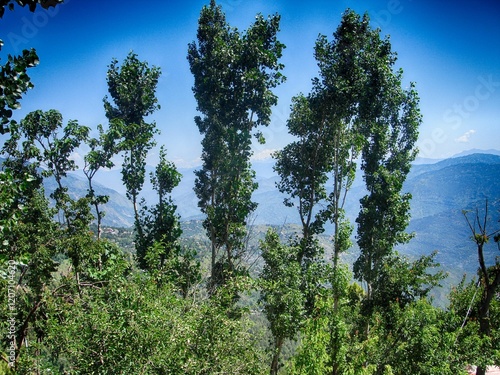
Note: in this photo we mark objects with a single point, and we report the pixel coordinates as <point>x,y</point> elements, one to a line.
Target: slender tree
<point>303,166</point>
<point>489,276</point>
<point>233,76</point>
<point>325,123</point>
<point>47,147</point>
<point>132,87</point>
<point>357,106</point>
<point>338,91</point>
<point>281,292</point>
<point>50,145</point>
<point>160,223</point>
<point>102,150</point>
<point>389,118</point>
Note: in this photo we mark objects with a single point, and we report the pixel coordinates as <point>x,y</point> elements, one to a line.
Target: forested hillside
<point>324,264</point>
<point>440,192</point>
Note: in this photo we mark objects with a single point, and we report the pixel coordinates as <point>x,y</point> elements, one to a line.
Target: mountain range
<point>441,191</point>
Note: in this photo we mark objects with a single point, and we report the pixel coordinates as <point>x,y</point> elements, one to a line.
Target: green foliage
<point>335,97</point>
<point>106,261</point>
<point>132,87</point>
<point>169,262</point>
<point>166,176</point>
<point>33,241</point>
<point>82,308</point>
<point>312,356</point>
<point>41,130</point>
<point>402,281</point>
<point>281,294</point>
<point>388,119</point>
<point>303,165</point>
<point>134,101</point>
<point>27,267</point>
<point>233,76</point>
<point>472,346</point>
<point>179,268</point>
<point>10,204</point>
<point>101,152</point>
<point>32,4</point>
<point>157,237</point>
<point>159,224</point>
<point>14,82</point>
<point>44,146</point>
<point>330,342</point>
<point>418,342</point>
<point>137,326</point>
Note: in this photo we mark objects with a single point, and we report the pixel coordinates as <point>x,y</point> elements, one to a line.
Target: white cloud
<point>466,137</point>
<point>78,159</point>
<point>263,154</point>
<point>183,163</point>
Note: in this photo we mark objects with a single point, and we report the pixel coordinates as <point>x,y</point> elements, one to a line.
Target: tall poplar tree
<point>234,73</point>
<point>303,167</point>
<point>132,87</point>
<point>325,123</point>
<point>338,91</point>
<point>389,117</point>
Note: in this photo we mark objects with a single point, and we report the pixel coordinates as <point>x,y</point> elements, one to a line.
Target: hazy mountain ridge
<point>440,191</point>
<point>460,183</point>
<point>118,210</point>
<point>479,158</point>
<point>439,197</point>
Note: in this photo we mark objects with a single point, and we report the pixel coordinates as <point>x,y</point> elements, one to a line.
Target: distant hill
<point>440,191</point>
<point>477,151</point>
<point>118,211</point>
<point>481,158</point>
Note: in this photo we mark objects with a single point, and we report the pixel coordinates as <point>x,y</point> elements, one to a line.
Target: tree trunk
<point>213,241</point>
<point>276,356</point>
<point>483,316</point>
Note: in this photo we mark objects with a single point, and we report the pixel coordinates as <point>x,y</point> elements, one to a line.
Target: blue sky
<point>450,49</point>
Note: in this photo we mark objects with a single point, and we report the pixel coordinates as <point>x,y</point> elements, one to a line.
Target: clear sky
<point>451,49</point>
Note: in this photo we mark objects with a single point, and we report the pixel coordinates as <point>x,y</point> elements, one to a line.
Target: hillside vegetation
<point>324,265</point>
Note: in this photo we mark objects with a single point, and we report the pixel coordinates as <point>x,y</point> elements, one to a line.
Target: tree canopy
<point>78,298</point>
<point>234,74</point>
